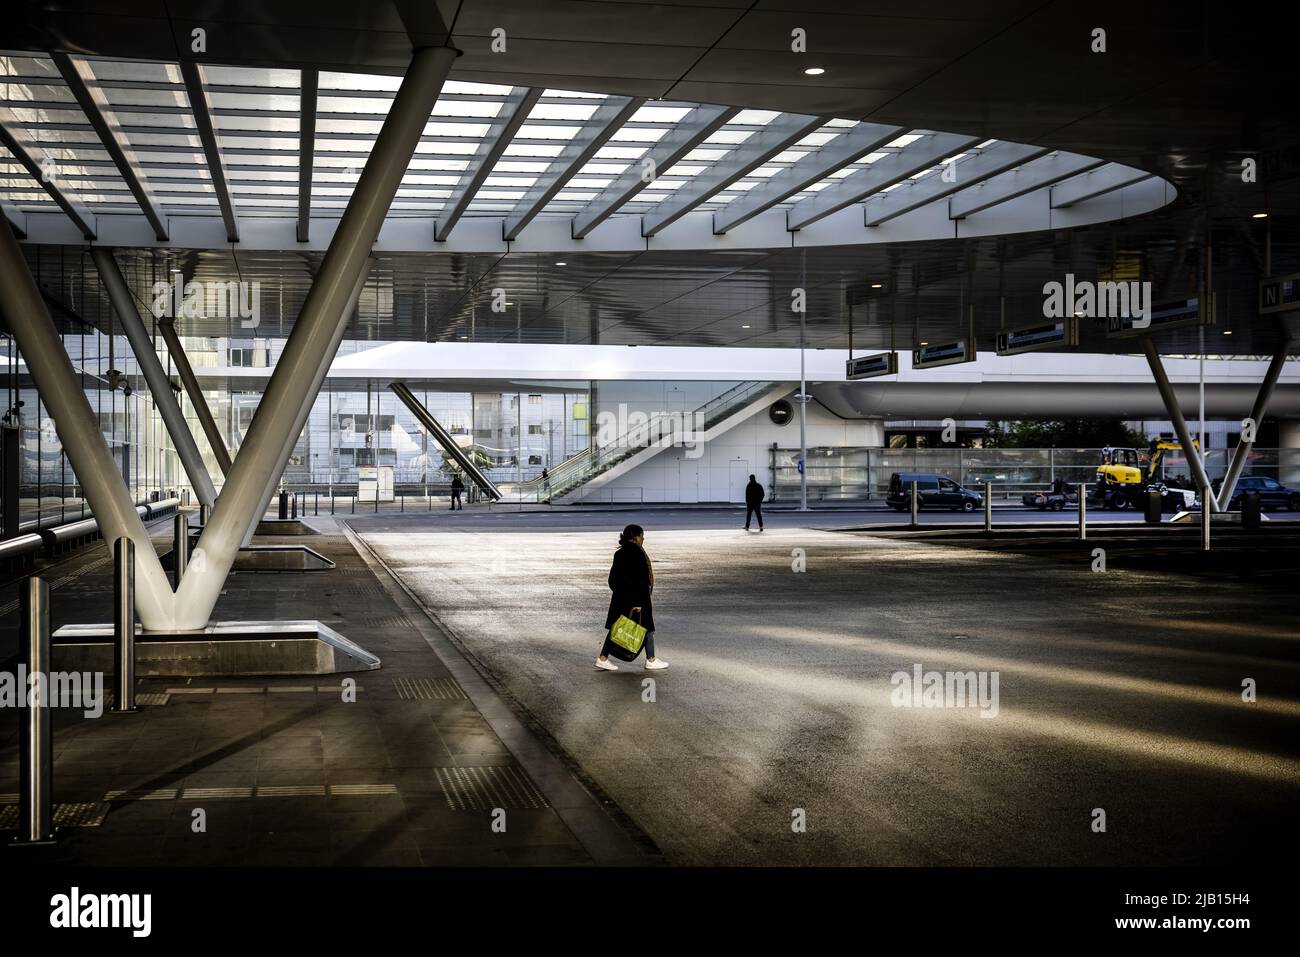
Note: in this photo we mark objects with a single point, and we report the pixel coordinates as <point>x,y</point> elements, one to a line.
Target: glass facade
<point>48,491</point>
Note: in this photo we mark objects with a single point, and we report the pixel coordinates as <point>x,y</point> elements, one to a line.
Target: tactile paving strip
<point>429,689</point>
<point>485,788</point>
<point>87,814</point>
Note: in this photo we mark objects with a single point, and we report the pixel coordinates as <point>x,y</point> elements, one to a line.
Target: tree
<point>1061,434</point>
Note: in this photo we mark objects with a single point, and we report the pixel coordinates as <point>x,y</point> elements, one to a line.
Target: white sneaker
<point>606,665</point>
<point>657,665</point>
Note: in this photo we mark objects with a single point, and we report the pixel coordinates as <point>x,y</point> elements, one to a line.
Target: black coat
<point>629,580</point>
<point>754,494</point>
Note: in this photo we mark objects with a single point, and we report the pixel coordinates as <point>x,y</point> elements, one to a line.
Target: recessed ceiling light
<point>1227,332</point>
<point>744,327</point>
<point>814,71</point>
<point>1259,216</point>
<point>464,337</point>
<point>925,343</point>
<point>561,264</point>
<point>877,285</point>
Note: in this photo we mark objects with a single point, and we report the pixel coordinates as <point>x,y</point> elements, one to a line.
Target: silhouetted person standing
<point>754,496</point>
<point>457,486</point>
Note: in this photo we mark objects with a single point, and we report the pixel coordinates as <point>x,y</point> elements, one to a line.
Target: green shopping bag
<point>628,635</point>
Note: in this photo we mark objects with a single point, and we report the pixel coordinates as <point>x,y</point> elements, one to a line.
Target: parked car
<point>1272,493</point>
<point>1045,500</point>
<point>932,491</point>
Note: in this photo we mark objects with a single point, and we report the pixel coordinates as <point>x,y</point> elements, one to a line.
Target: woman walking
<point>631,579</point>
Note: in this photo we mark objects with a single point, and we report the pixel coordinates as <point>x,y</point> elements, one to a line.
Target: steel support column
<point>314,340</point>
<point>309,400</point>
<point>167,329</point>
<point>59,386</point>
<point>1170,400</point>
<point>1257,411</point>
<point>169,409</point>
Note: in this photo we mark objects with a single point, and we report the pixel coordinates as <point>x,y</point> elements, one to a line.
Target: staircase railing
<point>582,468</point>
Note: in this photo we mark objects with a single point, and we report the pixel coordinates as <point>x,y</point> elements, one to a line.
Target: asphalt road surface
<point>1119,693</point>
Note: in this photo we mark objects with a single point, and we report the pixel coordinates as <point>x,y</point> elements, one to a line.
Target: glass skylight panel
<point>258,125</point>
<point>907,139</point>
<point>619,153</point>
<point>755,117</point>
<point>562,111</point>
<point>484,109</point>
<point>217,75</point>
<point>640,135</point>
<point>374,81</point>
<point>659,114</point>
<point>533,149</point>
<point>533,131</point>
<point>339,104</point>
<point>729,136</point>
<point>280,102</point>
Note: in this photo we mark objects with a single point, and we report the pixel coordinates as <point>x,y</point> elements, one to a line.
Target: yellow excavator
<point>1123,478</point>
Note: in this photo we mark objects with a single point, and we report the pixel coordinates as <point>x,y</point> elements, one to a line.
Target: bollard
<point>181,552</point>
<point>1155,506</point>
<point>988,506</point>
<point>1251,516</point>
<point>1083,511</point>
<point>376,499</point>
<point>124,626</point>
<point>403,498</point>
<point>331,503</point>
<point>1205,519</point>
<point>284,506</point>
<point>354,505</point>
<point>914,505</point>
<point>203,516</point>
<point>294,506</point>
<point>36,745</point>
<point>315,503</point>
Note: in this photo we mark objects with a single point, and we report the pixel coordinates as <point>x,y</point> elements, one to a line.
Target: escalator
<point>445,441</point>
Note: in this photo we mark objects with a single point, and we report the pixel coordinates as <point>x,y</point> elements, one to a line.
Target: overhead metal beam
<point>989,162</point>
<point>1175,412</point>
<point>1033,175</point>
<point>160,384</point>
<point>44,169</point>
<point>310,81</point>
<point>445,440</point>
<point>604,123</point>
<point>689,132</point>
<point>80,78</point>
<point>849,147</point>
<point>190,382</point>
<point>782,133</point>
<point>884,172</point>
<point>314,340</point>
<point>1096,183</point>
<point>500,133</point>
<point>201,108</point>
<point>1257,411</point>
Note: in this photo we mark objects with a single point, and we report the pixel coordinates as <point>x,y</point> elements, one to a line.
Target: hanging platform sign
<point>1279,293</point>
<point>945,354</point>
<point>1043,335</point>
<point>867,367</point>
